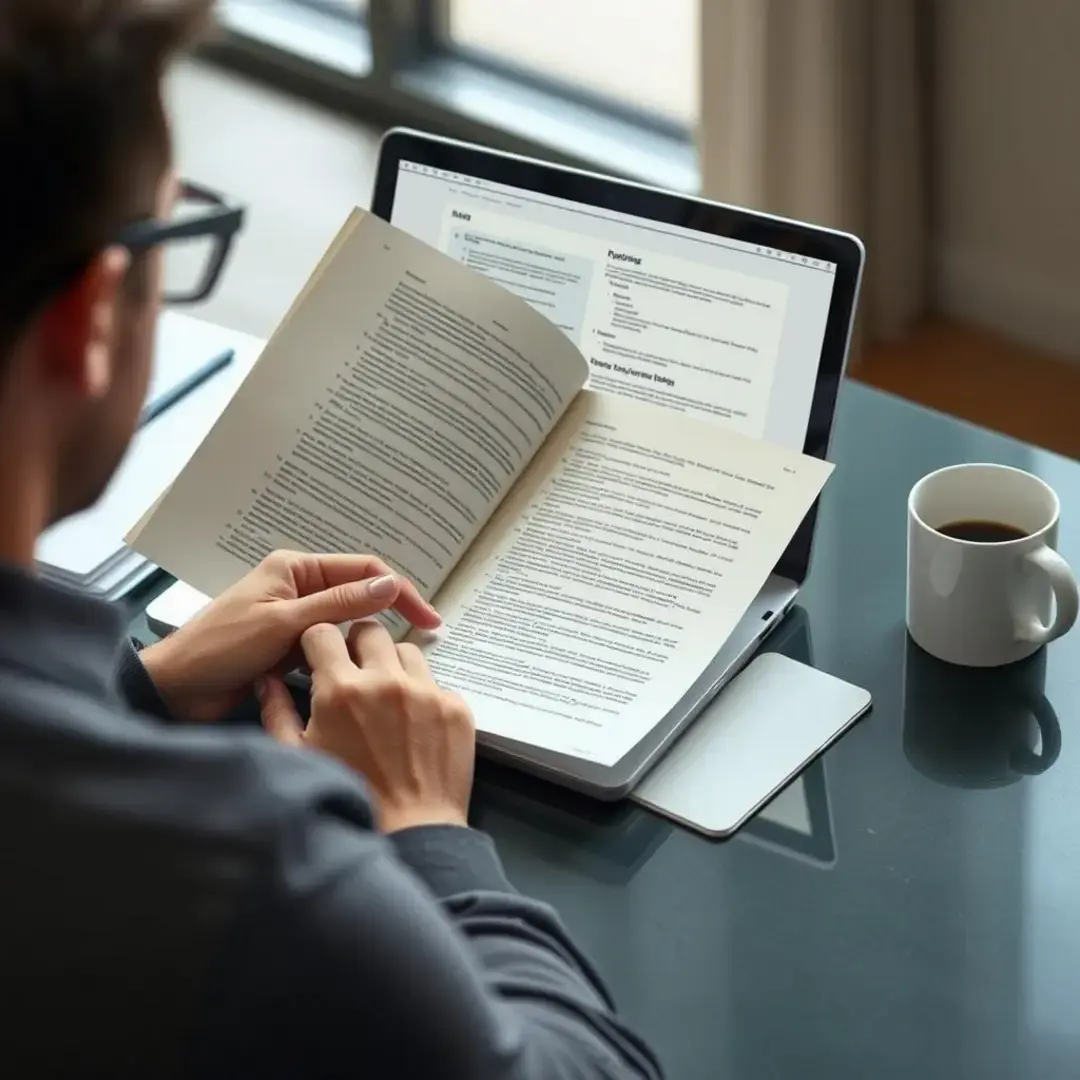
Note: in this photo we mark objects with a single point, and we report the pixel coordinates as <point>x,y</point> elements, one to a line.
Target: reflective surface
<point>910,907</point>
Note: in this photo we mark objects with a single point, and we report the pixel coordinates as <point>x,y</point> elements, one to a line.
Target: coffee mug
<point>985,585</point>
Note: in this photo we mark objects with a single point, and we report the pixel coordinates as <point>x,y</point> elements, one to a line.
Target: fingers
<point>414,663</point>
<point>362,599</point>
<point>331,570</point>
<point>413,607</point>
<point>336,574</point>
<point>325,650</point>
<point>344,603</point>
<point>372,647</point>
<point>278,713</point>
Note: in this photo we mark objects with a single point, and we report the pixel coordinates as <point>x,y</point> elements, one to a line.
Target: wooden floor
<point>982,378</point>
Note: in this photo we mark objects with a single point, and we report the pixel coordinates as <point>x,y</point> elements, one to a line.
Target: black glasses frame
<point>222,220</point>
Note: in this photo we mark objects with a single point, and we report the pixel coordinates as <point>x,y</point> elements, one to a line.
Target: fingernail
<point>260,689</point>
<point>382,588</point>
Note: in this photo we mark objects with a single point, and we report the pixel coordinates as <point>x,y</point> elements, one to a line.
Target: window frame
<point>414,76</point>
<point>439,43</point>
<point>333,8</point>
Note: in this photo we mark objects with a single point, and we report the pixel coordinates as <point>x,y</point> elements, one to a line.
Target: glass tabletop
<point>911,905</point>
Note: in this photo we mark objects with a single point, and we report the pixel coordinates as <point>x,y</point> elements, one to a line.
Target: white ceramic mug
<point>985,604</point>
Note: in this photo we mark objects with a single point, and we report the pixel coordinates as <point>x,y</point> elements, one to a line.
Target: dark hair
<point>83,134</point>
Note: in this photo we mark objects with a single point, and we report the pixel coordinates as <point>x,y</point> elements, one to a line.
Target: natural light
<point>642,53</point>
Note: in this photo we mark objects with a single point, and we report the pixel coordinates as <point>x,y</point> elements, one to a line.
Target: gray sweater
<point>201,901</point>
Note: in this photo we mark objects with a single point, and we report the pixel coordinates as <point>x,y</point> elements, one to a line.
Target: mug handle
<point>1066,598</point>
<point>1022,759</point>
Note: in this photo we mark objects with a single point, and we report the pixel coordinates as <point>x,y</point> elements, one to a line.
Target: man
<point>180,898</point>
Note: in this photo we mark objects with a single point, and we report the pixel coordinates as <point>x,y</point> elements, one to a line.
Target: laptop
<point>456,196</point>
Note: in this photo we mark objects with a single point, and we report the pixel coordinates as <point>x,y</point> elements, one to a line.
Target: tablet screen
<point>715,327</point>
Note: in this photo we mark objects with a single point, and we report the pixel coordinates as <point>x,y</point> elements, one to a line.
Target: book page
<point>316,274</point>
<point>608,580</point>
<point>389,414</point>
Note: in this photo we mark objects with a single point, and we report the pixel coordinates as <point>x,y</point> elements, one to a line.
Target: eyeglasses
<point>196,240</point>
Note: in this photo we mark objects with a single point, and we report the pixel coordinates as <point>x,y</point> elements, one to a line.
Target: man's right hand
<point>376,707</point>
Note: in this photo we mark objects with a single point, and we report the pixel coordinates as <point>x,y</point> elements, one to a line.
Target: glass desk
<point>908,908</point>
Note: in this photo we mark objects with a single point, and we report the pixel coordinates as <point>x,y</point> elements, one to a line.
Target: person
<point>182,897</point>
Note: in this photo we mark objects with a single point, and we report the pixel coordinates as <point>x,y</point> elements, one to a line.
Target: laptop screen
<point>714,327</point>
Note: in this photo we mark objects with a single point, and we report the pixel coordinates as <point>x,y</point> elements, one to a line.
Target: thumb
<point>347,602</point>
<point>278,713</point>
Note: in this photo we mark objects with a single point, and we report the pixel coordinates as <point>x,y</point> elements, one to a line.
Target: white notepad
<point>759,733</point>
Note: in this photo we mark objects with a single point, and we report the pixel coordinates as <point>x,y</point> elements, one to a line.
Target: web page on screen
<point>712,327</point>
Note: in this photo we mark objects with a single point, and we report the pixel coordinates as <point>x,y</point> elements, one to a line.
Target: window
<point>648,59</point>
<point>603,84</point>
<point>326,35</point>
<point>346,7</point>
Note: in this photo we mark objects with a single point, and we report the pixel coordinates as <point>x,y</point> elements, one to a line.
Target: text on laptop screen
<point>714,327</point>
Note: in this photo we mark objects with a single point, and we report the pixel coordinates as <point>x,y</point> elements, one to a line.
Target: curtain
<point>817,110</point>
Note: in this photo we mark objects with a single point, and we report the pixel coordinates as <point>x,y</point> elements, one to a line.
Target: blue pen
<point>153,409</point>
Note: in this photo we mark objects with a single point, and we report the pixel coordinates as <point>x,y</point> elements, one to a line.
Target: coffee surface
<point>982,532</point>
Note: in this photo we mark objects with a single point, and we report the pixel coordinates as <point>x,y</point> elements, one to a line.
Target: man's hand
<point>210,665</point>
<point>375,707</point>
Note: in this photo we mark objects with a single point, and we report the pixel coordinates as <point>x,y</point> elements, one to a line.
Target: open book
<point>588,553</point>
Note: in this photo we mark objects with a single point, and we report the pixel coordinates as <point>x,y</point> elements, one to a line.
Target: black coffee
<point>982,532</point>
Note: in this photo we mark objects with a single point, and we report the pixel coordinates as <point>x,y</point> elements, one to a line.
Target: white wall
<point>1008,167</point>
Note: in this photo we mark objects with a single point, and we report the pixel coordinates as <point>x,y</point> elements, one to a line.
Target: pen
<point>153,409</point>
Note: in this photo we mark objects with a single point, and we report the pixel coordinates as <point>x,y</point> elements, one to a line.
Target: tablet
<point>748,745</point>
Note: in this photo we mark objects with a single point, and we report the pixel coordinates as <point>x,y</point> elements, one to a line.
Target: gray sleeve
<point>135,685</point>
<point>411,959</point>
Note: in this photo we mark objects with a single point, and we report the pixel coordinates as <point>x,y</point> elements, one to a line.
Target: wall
<point>1008,161</point>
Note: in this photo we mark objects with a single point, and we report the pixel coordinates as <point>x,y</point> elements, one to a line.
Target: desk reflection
<point>612,842</point>
<point>797,821</point>
<point>978,727</point>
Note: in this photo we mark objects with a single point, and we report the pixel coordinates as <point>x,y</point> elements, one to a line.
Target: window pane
<point>330,33</point>
<point>350,7</point>
<point>643,53</point>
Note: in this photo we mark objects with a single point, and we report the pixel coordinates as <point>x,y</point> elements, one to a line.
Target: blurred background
<point>946,133</point>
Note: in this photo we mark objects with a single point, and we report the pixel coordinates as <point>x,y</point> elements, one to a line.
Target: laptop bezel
<point>671,208</point>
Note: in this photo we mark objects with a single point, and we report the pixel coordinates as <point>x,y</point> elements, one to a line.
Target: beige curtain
<point>816,109</point>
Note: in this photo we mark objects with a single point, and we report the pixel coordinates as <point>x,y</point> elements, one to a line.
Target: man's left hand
<point>207,667</point>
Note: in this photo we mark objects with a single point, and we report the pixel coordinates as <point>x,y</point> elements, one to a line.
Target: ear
<point>79,326</point>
